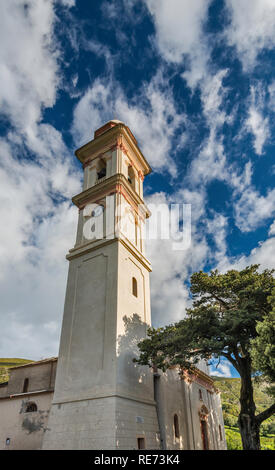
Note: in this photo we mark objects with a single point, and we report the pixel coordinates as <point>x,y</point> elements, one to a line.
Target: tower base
<point>109,423</point>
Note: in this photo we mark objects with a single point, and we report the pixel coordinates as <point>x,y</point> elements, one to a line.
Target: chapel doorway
<point>204,435</point>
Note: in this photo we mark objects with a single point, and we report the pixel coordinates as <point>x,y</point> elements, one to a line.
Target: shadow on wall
<point>134,331</point>
<point>134,379</point>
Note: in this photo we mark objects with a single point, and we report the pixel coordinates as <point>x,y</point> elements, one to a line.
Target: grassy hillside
<point>6,363</point>
<point>230,392</point>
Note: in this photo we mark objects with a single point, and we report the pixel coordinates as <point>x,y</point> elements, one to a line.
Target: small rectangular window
<point>26,385</point>
<point>134,287</point>
<point>176,427</point>
<point>141,442</point>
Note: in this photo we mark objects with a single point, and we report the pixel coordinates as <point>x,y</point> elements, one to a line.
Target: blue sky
<point>194,81</point>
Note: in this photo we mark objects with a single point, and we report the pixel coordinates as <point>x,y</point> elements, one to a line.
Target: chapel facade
<point>94,396</point>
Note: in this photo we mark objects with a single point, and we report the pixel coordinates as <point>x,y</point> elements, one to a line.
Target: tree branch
<point>232,360</point>
<point>266,414</point>
<point>220,300</point>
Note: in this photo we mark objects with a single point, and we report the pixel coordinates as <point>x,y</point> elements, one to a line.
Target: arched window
<point>31,407</point>
<point>176,427</point>
<point>26,385</point>
<point>134,287</point>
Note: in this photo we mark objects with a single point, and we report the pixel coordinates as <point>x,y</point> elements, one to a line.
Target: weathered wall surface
<point>25,430</point>
<point>41,376</point>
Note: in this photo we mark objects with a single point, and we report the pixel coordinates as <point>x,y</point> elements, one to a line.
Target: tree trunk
<point>248,424</point>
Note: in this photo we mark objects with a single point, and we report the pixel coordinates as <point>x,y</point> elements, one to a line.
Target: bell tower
<point>103,400</point>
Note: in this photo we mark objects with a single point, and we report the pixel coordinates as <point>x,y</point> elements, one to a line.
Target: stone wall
<point>104,423</point>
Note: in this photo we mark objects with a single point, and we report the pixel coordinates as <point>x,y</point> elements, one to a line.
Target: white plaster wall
<point>203,366</point>
<point>86,364</point>
<point>95,367</point>
<point>170,401</point>
<point>176,396</point>
<point>218,421</point>
<point>209,399</point>
<point>133,420</point>
<point>86,424</point>
<point>133,318</point>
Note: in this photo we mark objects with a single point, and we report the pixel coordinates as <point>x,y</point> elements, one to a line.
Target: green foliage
<point>233,438</point>
<point>263,346</point>
<point>230,392</point>
<point>232,316</point>
<point>6,363</point>
<point>234,442</point>
<point>222,321</point>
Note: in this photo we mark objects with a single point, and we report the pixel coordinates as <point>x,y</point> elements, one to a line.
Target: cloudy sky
<point>195,82</point>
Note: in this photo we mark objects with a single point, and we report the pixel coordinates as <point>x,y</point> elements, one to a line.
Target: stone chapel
<point>93,396</point>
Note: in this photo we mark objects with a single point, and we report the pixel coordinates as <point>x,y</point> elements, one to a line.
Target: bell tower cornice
<point>114,184</point>
<point>120,137</point>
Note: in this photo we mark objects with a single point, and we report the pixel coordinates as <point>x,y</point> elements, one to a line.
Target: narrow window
<point>176,427</point>
<point>200,394</point>
<point>204,435</point>
<point>220,431</point>
<point>131,176</point>
<point>136,232</point>
<point>26,385</point>
<point>141,442</point>
<point>134,287</point>
<point>102,170</point>
<point>31,407</point>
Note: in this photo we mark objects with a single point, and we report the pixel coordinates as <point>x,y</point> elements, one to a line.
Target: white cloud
<point>179,35</point>
<point>37,225</point>
<point>169,292</point>
<point>256,123</point>
<point>210,164</point>
<point>272,229</point>
<point>252,208</point>
<point>221,370</point>
<point>35,234</point>
<point>252,28</point>
<point>68,3</point>
<point>212,95</point>
<point>263,254</point>
<point>92,111</point>
<point>151,115</point>
<point>28,60</point>
<point>271,90</point>
<point>218,227</point>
